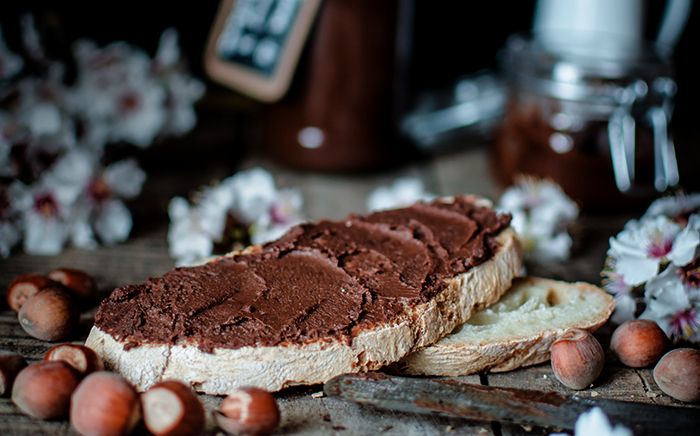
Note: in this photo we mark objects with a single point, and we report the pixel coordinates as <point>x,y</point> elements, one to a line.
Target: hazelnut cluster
<point>577,358</point>
<point>71,380</point>
<point>48,306</point>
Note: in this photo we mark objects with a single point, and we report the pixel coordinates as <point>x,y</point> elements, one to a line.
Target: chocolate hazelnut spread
<point>323,280</point>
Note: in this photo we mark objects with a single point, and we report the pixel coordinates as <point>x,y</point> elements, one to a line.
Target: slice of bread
<point>517,331</point>
<point>371,346</point>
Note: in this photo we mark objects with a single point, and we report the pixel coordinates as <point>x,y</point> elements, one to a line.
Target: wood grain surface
<point>305,411</point>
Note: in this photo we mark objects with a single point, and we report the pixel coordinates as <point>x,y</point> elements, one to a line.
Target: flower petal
<point>125,178</point>
<point>685,244</point>
<point>625,306</point>
<point>114,222</point>
<point>43,236</point>
<point>596,423</point>
<point>636,269</point>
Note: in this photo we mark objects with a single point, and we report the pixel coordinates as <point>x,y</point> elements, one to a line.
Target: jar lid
<point>573,69</point>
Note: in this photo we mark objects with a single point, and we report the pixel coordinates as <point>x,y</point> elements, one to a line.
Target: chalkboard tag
<point>254,45</point>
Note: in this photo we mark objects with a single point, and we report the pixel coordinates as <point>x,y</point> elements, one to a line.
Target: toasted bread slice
<point>273,367</point>
<point>517,331</point>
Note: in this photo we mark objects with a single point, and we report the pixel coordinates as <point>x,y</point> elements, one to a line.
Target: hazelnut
<point>79,283</point>
<point>43,389</point>
<point>678,374</point>
<point>171,408</point>
<point>639,343</point>
<point>577,358</point>
<point>82,358</point>
<point>49,315</point>
<point>104,404</point>
<point>26,285</point>
<point>10,364</point>
<point>248,411</point>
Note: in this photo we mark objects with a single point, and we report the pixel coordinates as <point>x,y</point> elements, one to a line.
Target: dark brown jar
<point>596,126</point>
<point>340,112</point>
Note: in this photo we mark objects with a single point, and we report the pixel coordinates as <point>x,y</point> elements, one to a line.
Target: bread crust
<point>276,367</point>
<point>453,357</point>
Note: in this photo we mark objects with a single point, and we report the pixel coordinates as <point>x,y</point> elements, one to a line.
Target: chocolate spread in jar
<point>318,281</point>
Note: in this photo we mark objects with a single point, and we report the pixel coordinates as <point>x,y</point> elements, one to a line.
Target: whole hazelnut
<point>26,285</point>
<point>10,364</point>
<point>248,411</point>
<point>104,404</point>
<point>639,343</point>
<point>49,315</point>
<point>577,359</point>
<point>171,408</point>
<point>82,358</point>
<point>43,390</point>
<point>79,283</point>
<point>678,374</point>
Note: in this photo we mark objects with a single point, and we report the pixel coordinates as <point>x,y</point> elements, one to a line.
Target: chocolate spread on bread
<point>321,280</point>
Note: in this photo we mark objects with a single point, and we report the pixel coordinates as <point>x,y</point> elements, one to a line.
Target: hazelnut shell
<point>84,359</point>
<point>678,374</point>
<point>639,343</point>
<point>49,315</point>
<point>172,408</point>
<point>43,390</point>
<point>104,404</point>
<point>248,411</point>
<point>10,365</point>
<point>577,359</point>
<point>79,283</point>
<point>26,285</point>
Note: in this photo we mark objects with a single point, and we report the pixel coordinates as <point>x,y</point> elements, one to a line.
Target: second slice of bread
<point>517,331</point>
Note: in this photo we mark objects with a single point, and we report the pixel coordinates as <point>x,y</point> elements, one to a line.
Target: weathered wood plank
<point>511,405</point>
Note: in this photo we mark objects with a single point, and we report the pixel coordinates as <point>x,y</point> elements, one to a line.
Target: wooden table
<point>304,410</point>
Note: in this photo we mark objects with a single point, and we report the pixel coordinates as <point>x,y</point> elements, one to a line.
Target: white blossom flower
<point>113,222</point>
<point>10,63</point>
<point>115,89</point>
<point>195,228</point>
<point>46,206</point>
<point>44,218</point>
<point>120,95</point>
<point>690,276</point>
<point>642,247</point>
<point>669,304</point>
<point>182,90</point>
<point>614,283</point>
<point>10,235</point>
<point>268,211</point>
<point>541,214</point>
<point>677,207</point>
<point>596,423</point>
<point>248,199</point>
<point>101,203</point>
<point>625,309</point>
<point>284,213</point>
<point>403,192</point>
<point>38,112</point>
<point>255,194</point>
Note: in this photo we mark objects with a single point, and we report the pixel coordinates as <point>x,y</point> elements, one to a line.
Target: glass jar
<point>340,113</point>
<point>596,125</point>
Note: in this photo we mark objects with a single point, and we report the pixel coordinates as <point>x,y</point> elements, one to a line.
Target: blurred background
<point>440,43</point>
